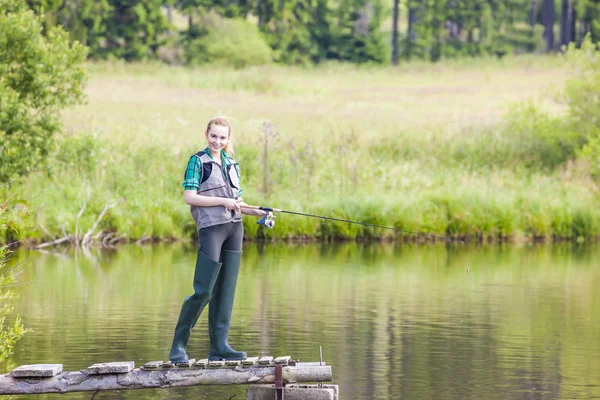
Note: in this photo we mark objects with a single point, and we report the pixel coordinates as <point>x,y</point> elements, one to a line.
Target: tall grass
<point>439,149</point>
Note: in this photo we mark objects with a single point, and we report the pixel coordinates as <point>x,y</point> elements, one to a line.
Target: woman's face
<point>217,138</point>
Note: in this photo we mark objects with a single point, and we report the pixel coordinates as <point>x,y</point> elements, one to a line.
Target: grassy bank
<point>473,149</point>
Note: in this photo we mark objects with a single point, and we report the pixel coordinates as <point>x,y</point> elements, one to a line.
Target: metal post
<point>279,388</point>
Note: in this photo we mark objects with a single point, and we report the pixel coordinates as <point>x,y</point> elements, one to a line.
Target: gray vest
<point>214,183</point>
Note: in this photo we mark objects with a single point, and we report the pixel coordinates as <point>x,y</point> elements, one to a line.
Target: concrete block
<point>37,371</point>
<point>110,368</point>
<point>293,392</point>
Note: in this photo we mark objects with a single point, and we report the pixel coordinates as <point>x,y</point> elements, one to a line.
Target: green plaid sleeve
<point>193,174</point>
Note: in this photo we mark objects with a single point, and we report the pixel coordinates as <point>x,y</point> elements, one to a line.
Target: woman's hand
<point>262,213</point>
<point>232,204</point>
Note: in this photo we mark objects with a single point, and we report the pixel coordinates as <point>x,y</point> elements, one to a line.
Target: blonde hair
<point>222,121</point>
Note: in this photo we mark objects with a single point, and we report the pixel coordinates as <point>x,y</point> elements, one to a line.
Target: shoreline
<point>32,244</point>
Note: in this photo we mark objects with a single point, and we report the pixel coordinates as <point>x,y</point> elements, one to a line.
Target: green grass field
<point>447,148</point>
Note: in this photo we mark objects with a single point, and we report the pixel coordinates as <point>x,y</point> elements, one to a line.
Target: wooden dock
<point>50,378</point>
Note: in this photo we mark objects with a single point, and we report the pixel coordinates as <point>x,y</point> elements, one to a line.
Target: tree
<point>567,22</point>
<point>411,36</point>
<point>83,19</point>
<point>533,14</point>
<point>135,29</point>
<point>39,75</point>
<point>395,33</point>
<point>548,21</point>
<point>355,32</point>
<point>589,14</point>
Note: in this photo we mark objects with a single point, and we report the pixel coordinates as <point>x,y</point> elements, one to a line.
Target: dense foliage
<point>10,330</point>
<point>308,31</point>
<point>39,75</point>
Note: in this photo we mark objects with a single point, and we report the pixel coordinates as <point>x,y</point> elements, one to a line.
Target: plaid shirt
<point>193,172</point>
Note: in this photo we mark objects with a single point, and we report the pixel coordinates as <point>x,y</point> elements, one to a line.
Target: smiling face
<point>217,138</point>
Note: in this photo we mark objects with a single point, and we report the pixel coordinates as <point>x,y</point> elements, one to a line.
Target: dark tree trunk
<point>395,33</point>
<point>170,14</point>
<point>533,14</point>
<point>580,32</point>
<point>548,21</point>
<point>454,29</point>
<point>573,23</point>
<point>412,20</point>
<point>411,35</point>
<point>261,12</point>
<point>566,22</point>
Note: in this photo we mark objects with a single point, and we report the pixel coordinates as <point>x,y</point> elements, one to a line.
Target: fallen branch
<point>80,214</point>
<point>55,242</point>
<point>86,237</point>
<point>164,378</point>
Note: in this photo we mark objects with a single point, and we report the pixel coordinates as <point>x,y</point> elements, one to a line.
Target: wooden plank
<point>37,370</point>
<point>201,363</point>
<point>110,368</point>
<point>152,365</point>
<point>186,364</point>
<point>250,361</point>
<point>216,364</point>
<point>233,363</point>
<point>266,360</point>
<point>282,360</point>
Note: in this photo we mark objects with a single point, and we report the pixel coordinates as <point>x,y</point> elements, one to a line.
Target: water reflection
<point>395,322</point>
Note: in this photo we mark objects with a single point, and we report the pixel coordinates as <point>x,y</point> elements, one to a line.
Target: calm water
<point>395,322</point>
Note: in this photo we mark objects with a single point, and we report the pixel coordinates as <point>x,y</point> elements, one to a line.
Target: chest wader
<point>221,306</point>
<point>214,282</point>
<point>205,277</point>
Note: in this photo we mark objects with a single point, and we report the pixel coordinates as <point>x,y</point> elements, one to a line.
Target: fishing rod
<point>268,221</point>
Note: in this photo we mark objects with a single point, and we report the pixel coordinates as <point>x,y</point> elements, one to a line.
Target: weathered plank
<point>37,370</point>
<point>110,368</point>
<point>250,361</point>
<point>175,377</point>
<point>266,360</point>
<point>216,364</point>
<point>282,360</point>
<point>152,365</point>
<point>294,392</point>
<point>186,364</point>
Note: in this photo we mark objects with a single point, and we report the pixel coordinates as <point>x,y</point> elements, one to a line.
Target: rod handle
<point>267,209</point>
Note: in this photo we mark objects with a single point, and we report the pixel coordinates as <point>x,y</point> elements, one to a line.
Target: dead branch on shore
<point>88,238</point>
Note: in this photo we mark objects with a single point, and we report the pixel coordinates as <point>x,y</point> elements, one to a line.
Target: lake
<point>396,321</point>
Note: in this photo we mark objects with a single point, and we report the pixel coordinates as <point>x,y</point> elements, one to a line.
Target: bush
<point>10,332</point>
<point>582,94</point>
<point>39,75</point>
<point>538,140</point>
<point>232,42</point>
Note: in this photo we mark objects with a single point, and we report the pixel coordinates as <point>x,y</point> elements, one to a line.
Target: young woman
<point>212,189</point>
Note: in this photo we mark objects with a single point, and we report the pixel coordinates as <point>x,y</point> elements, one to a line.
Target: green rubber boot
<point>220,307</point>
<point>205,277</point>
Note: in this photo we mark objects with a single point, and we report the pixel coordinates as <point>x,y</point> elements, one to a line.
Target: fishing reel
<point>268,220</point>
